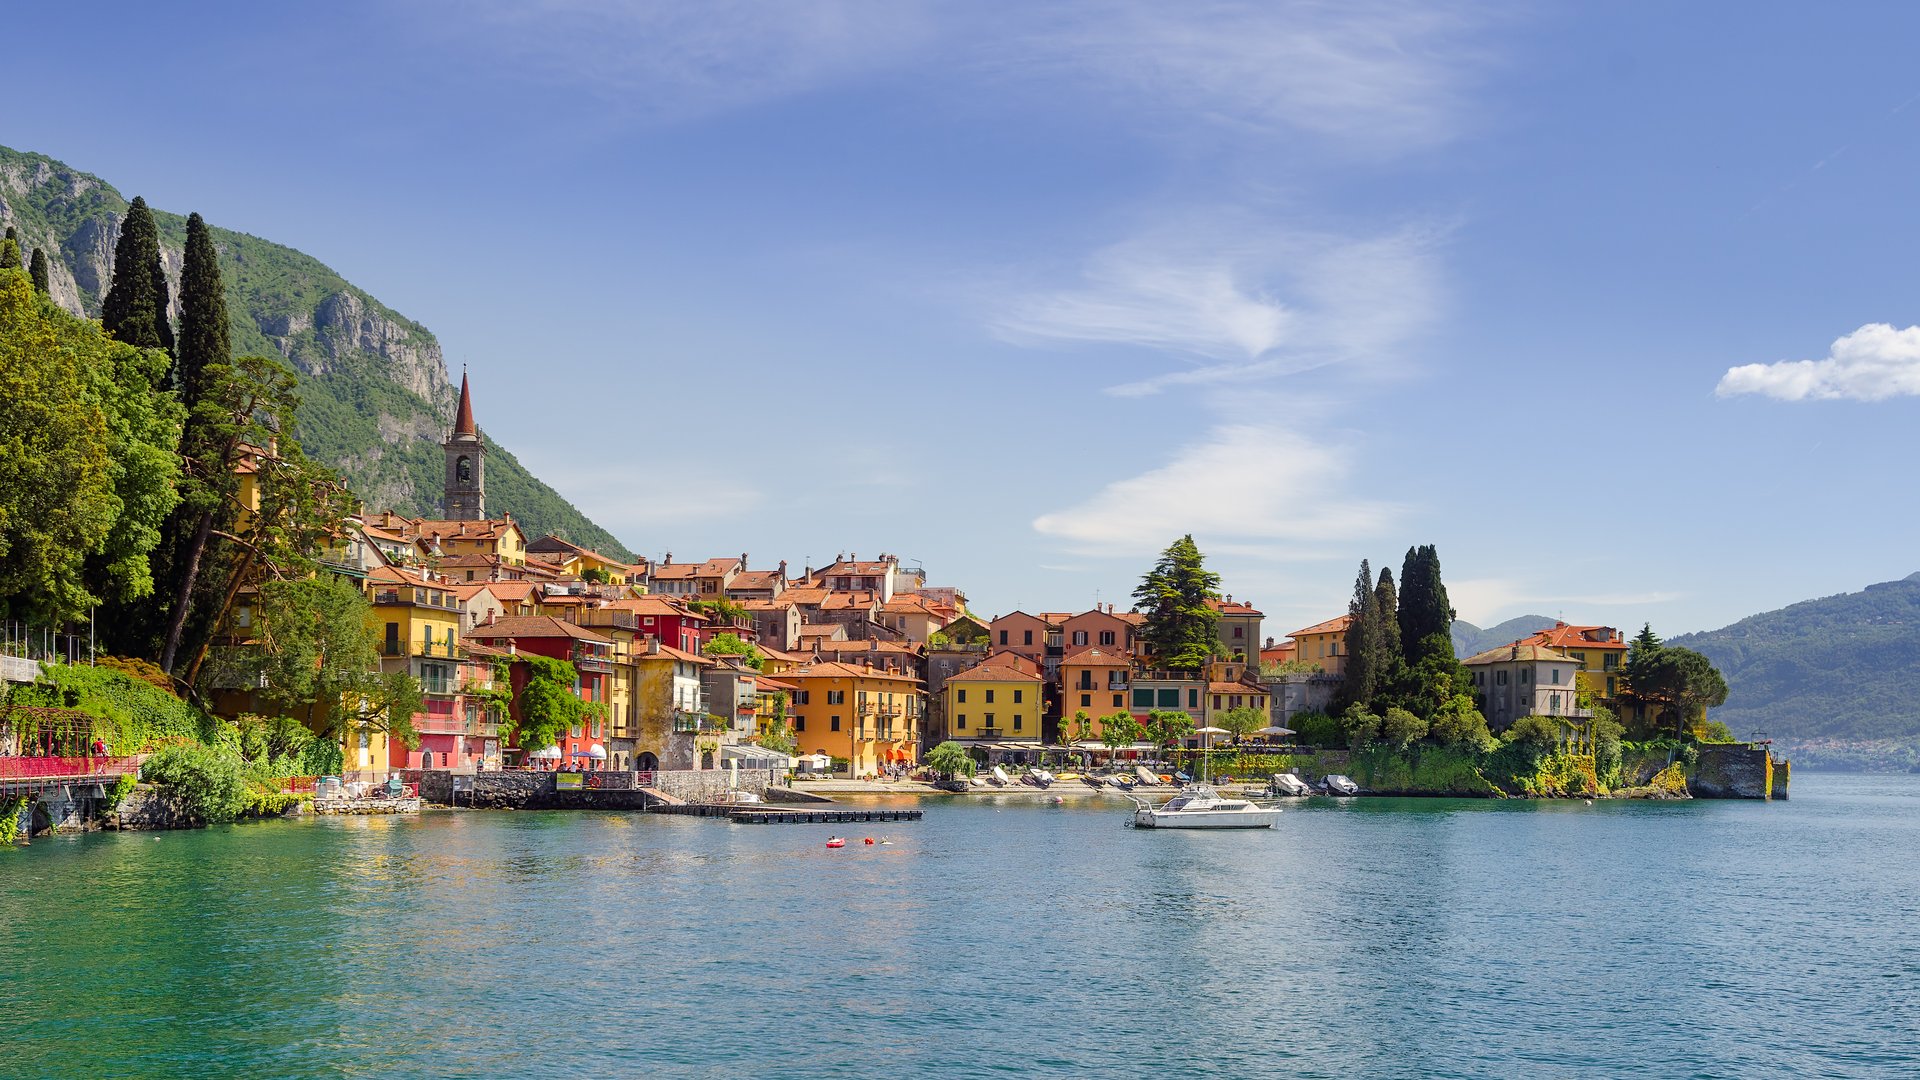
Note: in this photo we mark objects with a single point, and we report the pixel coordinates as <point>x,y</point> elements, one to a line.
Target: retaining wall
<point>1732,771</point>
<point>536,791</point>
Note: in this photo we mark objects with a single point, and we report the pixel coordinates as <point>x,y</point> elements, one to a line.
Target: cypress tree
<point>9,252</point>
<point>1388,604</point>
<point>203,313</point>
<point>135,307</point>
<point>37,269</point>
<point>1363,640</point>
<point>1425,613</point>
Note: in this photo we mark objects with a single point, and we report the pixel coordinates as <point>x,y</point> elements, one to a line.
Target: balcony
<point>438,650</point>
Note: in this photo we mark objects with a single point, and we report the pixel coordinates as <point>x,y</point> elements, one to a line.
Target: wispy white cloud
<point>1384,75</point>
<point>1262,300</point>
<point>674,61</point>
<point>1874,363</point>
<point>1257,489</point>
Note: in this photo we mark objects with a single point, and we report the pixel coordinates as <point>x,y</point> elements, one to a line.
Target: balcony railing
<point>433,649</point>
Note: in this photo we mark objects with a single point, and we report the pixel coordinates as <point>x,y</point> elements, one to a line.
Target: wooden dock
<point>766,815</point>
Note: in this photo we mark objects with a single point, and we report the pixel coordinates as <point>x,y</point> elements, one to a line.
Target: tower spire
<point>463,416</point>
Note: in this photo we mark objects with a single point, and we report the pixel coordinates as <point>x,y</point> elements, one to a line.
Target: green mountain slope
<point>1839,670</point>
<point>376,397</point>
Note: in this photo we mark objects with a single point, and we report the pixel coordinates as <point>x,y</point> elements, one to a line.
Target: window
<point>1167,697</point>
<point>1333,649</point>
<point>1079,637</point>
<point>1142,699</point>
<point>1106,637</point>
<point>799,723</point>
<point>834,724</point>
<point>800,697</point>
<point>1500,678</point>
<point>1003,637</point>
<point>1610,690</point>
<point>989,697</point>
<point>1016,721</point>
<point>1018,695</point>
<point>1193,698</point>
<point>1116,700</point>
<point>1239,631</point>
<point>1553,704</point>
<point>1526,675</point>
<point>989,721</point>
<point>1556,676</point>
<point>836,697</point>
<point>243,616</point>
<point>1029,638</point>
<point>1086,681</point>
<point>960,722</point>
<point>1086,701</point>
<point>1216,701</point>
<point>960,695</point>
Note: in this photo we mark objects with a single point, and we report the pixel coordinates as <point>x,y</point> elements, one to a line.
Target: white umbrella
<point>1276,729</point>
<point>1210,731</point>
<point>546,753</point>
<point>597,752</point>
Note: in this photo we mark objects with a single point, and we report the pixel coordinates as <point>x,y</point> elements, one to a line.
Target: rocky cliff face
<point>376,396</point>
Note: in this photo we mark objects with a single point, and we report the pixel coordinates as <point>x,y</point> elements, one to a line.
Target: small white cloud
<point>1256,489</point>
<point>1874,363</point>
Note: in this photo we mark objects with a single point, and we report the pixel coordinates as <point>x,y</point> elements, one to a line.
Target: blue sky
<point>1610,302</point>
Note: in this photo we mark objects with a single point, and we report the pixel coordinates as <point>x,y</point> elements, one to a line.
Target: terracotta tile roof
<point>756,579</point>
<point>1507,654</point>
<point>1331,626</point>
<point>477,651</point>
<point>682,571</point>
<point>375,532</point>
<point>1137,618</point>
<point>1279,654</point>
<point>1000,667</point>
<point>762,604</point>
<point>804,596</point>
<point>1565,637</point>
<point>1233,607</point>
<point>535,626</point>
<point>848,601</point>
<point>507,590</point>
<point>821,630</point>
<point>768,682</point>
<point>671,652</point>
<point>908,603</point>
<point>835,670</point>
<point>492,529</point>
<point>655,605</point>
<point>1235,688</point>
<point>1094,656</point>
<point>782,655</point>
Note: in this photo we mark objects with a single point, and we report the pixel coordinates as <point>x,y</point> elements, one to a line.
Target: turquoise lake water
<point>996,937</point>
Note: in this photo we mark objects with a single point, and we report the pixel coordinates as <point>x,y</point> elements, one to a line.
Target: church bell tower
<point>466,464</point>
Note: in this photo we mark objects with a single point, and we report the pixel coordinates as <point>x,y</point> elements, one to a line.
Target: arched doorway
<point>647,762</point>
<point>706,759</point>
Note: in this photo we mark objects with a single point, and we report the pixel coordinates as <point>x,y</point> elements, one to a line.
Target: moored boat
<point>1289,785</point>
<point>1341,785</point>
<point>1199,806</point>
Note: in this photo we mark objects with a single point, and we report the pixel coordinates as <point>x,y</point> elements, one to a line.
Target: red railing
<point>38,768</point>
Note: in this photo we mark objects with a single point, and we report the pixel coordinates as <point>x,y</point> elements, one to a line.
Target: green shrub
<point>117,794</point>
<point>10,807</point>
<point>1319,729</point>
<point>208,779</point>
<point>134,715</point>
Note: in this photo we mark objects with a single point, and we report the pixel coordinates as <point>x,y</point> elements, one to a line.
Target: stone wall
<point>1301,692</point>
<point>535,790</point>
<point>1732,771</point>
<point>148,807</point>
<point>1782,773</point>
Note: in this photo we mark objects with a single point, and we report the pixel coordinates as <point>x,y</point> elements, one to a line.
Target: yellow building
<point>1599,654</point>
<point>500,537</point>
<point>867,715</point>
<point>999,699</point>
<point>1324,644</point>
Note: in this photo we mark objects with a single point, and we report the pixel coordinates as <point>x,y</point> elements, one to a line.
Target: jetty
<point>770,815</point>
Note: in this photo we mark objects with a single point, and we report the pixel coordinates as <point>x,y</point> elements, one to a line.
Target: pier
<point>766,815</point>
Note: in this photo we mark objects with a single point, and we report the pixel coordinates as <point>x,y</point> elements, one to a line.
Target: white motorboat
<point>1289,785</point>
<point>1146,776</point>
<point>1341,785</point>
<point>1000,776</point>
<point>1199,806</point>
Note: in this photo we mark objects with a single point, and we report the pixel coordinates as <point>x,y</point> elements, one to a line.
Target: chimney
<point>513,648</point>
<point>783,568</point>
<point>866,663</point>
<point>273,447</point>
<point>668,560</point>
<point>743,560</point>
<point>1269,643</point>
<point>653,645</point>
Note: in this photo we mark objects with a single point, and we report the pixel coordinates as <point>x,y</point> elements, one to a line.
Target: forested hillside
<point>376,398</point>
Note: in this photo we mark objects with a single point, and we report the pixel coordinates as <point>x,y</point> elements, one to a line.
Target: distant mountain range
<point>376,399</point>
<point>1469,639</point>
<point>1839,671</point>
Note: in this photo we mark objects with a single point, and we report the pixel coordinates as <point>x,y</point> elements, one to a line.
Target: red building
<point>590,653</point>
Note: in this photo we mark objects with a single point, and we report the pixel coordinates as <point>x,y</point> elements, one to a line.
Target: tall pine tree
<point>1363,640</point>
<point>1182,629</point>
<point>203,314</point>
<point>135,307</point>
<point>37,269</point>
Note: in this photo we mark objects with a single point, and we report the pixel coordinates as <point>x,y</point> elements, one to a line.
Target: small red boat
<point>834,841</point>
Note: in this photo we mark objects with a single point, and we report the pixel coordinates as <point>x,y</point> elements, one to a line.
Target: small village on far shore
<point>688,679</point>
